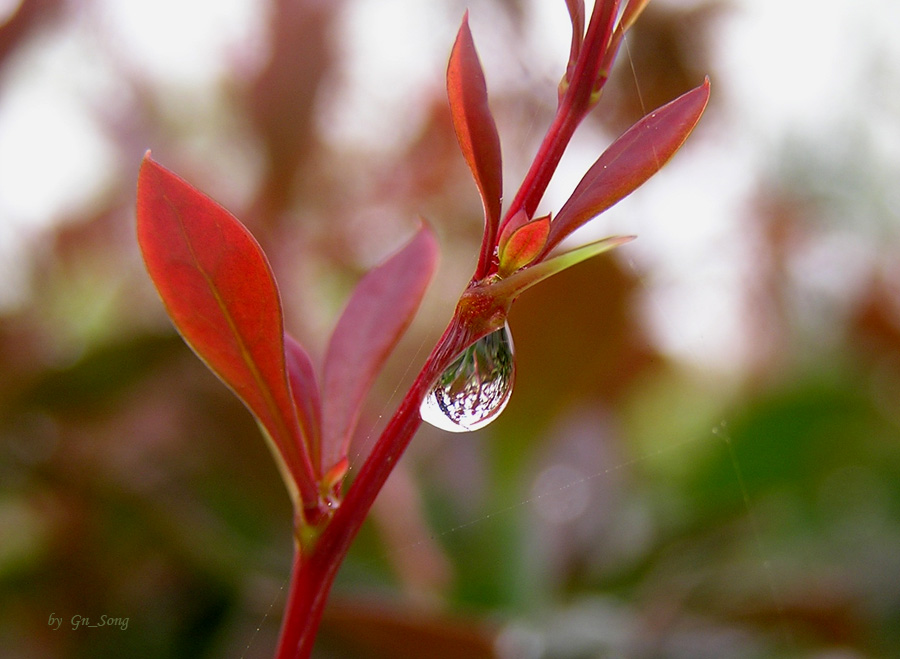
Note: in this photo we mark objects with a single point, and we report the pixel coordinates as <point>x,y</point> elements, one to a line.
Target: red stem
<point>313,573</point>
<point>545,161</point>
<point>574,105</point>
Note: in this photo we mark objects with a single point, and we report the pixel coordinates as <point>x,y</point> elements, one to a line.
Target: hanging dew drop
<point>475,388</point>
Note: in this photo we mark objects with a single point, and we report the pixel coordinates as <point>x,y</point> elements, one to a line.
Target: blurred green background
<point>702,454</point>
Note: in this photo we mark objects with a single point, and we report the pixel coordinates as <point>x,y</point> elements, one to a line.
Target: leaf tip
<point>146,162</point>
<point>464,32</point>
<point>706,86</point>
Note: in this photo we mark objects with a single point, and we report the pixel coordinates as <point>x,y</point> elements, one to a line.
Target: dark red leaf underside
<point>305,389</point>
<point>632,159</point>
<point>379,311</point>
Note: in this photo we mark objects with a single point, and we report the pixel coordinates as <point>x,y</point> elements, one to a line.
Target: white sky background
<point>785,68</point>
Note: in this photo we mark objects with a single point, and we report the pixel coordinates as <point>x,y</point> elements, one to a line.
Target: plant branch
<point>574,105</point>
<point>314,572</point>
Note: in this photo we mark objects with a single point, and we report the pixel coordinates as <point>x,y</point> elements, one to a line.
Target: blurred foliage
<point>627,504</point>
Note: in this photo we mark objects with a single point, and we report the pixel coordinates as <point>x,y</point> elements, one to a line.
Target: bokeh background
<point>702,455</point>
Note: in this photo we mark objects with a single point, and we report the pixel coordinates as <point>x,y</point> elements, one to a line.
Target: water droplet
<point>475,388</point>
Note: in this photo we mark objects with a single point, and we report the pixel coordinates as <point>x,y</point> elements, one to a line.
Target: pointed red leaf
<point>305,389</point>
<point>633,158</point>
<point>523,245</point>
<point>379,311</point>
<point>477,133</point>
<point>219,291</point>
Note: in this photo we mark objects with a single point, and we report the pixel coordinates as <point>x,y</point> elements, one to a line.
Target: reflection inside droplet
<point>475,388</point>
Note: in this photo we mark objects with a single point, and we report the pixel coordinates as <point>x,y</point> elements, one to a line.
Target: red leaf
<point>633,158</point>
<point>523,245</point>
<point>379,311</point>
<point>305,389</point>
<point>219,291</point>
<point>510,227</point>
<point>477,133</point>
